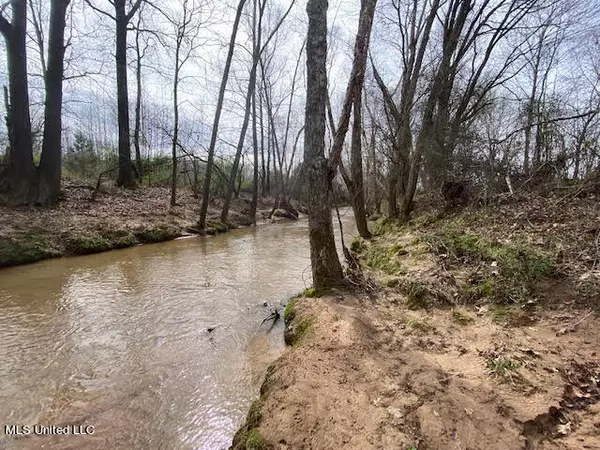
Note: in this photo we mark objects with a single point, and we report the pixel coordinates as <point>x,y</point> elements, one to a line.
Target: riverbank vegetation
<point>464,134</point>
<point>483,334</point>
<point>116,218</point>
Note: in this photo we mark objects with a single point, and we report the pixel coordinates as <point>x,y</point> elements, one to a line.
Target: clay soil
<point>373,375</point>
<point>373,370</point>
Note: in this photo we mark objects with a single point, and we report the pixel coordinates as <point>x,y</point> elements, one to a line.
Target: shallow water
<point>119,340</point>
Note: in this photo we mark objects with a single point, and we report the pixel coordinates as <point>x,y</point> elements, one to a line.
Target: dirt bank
<point>484,335</point>
<point>117,218</point>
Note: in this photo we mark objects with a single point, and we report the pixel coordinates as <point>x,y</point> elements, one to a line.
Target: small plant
<point>419,325</point>
<point>310,292</point>
<point>502,367</point>
<point>288,312</point>
<point>502,315</point>
<point>461,318</point>
<point>295,332</point>
<point>88,242</point>
<point>416,293</point>
<point>357,245</point>
<point>255,440</point>
<point>390,282</point>
<point>377,257</point>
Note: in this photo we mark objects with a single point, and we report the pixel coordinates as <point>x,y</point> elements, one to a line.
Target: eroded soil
<point>483,335</point>
<point>371,374</point>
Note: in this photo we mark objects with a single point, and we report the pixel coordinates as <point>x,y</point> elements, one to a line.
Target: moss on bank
<point>510,270</point>
<point>25,248</point>
<point>32,246</point>
<point>297,327</point>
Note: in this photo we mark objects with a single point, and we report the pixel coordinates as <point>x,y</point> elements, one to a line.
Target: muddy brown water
<point>119,341</point>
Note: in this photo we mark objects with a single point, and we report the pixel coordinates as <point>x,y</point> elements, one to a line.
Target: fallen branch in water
<point>273,316</point>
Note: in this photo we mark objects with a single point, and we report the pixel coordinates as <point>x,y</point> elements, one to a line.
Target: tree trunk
<point>253,204</point>
<point>138,106</point>
<point>247,110</point>
<point>50,162</point>
<point>175,139</point>
<point>20,170</point>
<point>356,170</point>
<point>326,267</point>
<point>215,128</point>
<point>126,176</point>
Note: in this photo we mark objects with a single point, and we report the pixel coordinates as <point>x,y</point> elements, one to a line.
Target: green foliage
<point>310,292</point>
<point>416,293</point>
<point>88,242</point>
<point>288,312</point>
<point>385,225</point>
<point>119,238</point>
<point>158,233</point>
<point>84,160</point>
<point>357,245</point>
<point>216,227</point>
<point>419,325</point>
<point>25,250</point>
<point>255,441</point>
<point>461,318</point>
<point>378,257</point>
<point>516,266</point>
<point>295,332</point>
<point>254,414</point>
<point>390,282</point>
<point>502,315</point>
<point>502,367</point>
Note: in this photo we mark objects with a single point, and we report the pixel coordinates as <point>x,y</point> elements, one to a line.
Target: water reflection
<point>119,340</point>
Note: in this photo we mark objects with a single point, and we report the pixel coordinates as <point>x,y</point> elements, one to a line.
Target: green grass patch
<point>295,332</point>
<point>502,367</point>
<point>357,245</point>
<point>217,227</point>
<point>288,312</point>
<point>416,293</point>
<point>461,317</point>
<point>310,292</point>
<point>513,268</point>
<point>503,315</point>
<point>119,238</point>
<point>419,325</point>
<point>255,441</point>
<point>88,242</point>
<point>25,249</point>
<point>384,259</point>
<point>385,225</point>
<point>158,233</point>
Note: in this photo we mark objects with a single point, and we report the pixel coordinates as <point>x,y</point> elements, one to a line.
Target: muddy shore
<point>483,334</point>
<point>117,218</point>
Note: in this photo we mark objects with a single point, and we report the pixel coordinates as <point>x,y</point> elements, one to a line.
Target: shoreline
<point>117,219</point>
<point>474,338</point>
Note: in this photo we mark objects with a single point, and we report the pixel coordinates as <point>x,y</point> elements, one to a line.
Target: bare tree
<point>326,267</point>
<point>256,52</point>
<point>217,119</point>
<point>122,18</point>
<point>51,160</point>
<point>20,171</point>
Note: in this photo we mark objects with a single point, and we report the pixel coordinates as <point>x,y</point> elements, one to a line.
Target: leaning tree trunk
<point>50,162</point>
<point>326,267</point>
<point>126,173</point>
<point>20,172</point>
<point>215,128</point>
